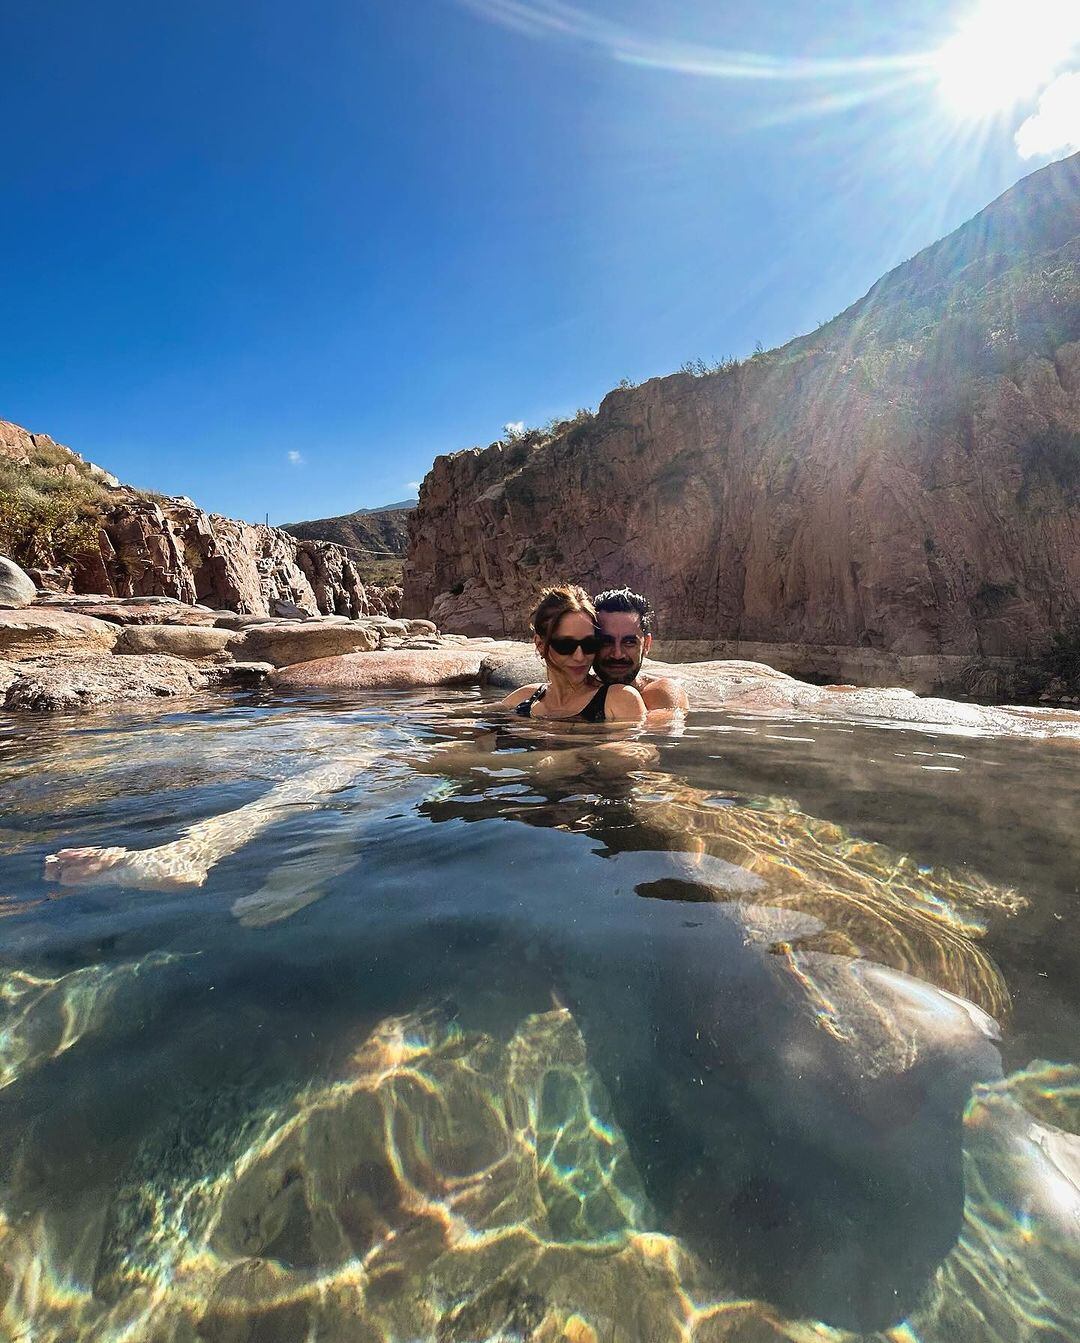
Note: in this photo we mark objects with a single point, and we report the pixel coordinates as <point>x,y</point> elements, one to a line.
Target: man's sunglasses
<point>565,647</point>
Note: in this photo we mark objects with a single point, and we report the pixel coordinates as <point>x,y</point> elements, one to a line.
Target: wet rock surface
<point>62,654</point>
<point>755,687</point>
<point>59,683</point>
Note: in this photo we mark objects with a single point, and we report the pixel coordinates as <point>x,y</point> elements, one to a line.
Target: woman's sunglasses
<point>565,647</point>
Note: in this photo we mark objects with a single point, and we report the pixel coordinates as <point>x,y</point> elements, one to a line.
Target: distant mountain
<point>402,505</point>
<point>377,538</point>
<point>382,531</point>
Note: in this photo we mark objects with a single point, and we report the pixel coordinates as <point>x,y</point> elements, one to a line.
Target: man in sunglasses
<point>625,639</point>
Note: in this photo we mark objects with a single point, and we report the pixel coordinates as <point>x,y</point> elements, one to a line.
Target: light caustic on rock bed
<point>454,1188</point>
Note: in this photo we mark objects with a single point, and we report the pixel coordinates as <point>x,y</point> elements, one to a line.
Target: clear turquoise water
<point>763,1030</point>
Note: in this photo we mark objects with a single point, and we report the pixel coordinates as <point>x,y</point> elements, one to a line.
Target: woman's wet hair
<point>622,599</point>
<point>564,600</point>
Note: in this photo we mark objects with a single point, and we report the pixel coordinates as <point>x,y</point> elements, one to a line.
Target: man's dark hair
<point>622,599</point>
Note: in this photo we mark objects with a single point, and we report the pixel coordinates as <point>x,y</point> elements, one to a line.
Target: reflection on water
<point>699,1051</point>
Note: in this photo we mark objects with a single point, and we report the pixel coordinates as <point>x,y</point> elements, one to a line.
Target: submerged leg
<point>187,861</point>
<point>299,881</point>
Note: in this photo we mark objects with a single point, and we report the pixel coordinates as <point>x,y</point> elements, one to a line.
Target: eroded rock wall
<point>906,479</point>
<point>174,549</point>
<point>152,546</point>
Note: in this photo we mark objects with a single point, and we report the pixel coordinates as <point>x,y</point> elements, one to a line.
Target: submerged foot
<point>142,869</point>
<point>268,906</point>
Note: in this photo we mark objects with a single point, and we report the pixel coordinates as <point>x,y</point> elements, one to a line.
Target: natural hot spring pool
<point>501,1035</point>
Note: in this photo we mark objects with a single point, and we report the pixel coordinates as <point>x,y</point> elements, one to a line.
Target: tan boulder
<point>284,644</point>
<point>185,641</point>
<point>398,670</point>
<point>514,666</point>
<point>16,587</point>
<point>37,630</point>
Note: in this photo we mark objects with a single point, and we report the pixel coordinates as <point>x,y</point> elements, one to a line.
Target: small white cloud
<point>1054,127</point>
<point>296,458</point>
<point>514,429</point>
<point>413,486</point>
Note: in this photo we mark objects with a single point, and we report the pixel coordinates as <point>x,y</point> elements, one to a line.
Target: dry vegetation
<point>50,509</point>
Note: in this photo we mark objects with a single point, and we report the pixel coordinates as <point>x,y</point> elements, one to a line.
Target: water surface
<point>760,1030</point>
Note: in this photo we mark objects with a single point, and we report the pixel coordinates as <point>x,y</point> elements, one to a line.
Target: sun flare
<point>1003,52</point>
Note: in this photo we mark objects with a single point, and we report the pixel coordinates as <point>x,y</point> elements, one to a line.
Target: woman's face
<point>575,665</point>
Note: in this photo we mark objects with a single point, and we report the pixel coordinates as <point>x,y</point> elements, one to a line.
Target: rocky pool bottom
<point>437,1026</point>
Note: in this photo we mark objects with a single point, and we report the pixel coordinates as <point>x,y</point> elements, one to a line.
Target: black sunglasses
<point>564,647</point>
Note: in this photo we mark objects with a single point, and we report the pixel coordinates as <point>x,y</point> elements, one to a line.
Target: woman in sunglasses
<point>566,636</point>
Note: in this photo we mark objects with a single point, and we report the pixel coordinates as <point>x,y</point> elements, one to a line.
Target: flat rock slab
<point>396,670</point>
<point>233,620</point>
<point>17,589</point>
<point>61,683</point>
<point>755,688</point>
<point>286,644</point>
<point>150,612</point>
<point>38,630</point>
<point>182,641</point>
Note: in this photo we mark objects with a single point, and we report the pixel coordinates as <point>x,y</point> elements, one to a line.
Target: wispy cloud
<point>829,85</point>
<point>514,429</point>
<point>296,458</point>
<point>556,20</point>
<point>1054,127</point>
<point>413,486</point>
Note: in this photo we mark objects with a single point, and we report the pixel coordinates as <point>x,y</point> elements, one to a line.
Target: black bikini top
<point>593,712</point>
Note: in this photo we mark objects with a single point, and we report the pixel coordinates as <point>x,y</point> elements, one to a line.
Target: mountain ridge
<point>901,479</point>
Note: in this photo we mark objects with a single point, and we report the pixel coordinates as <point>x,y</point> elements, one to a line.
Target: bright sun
<point>1004,51</point>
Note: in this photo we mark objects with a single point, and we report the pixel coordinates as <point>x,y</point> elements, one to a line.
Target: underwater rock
<point>16,587</point>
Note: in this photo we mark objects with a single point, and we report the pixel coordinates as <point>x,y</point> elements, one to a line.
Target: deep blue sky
<point>375,231</point>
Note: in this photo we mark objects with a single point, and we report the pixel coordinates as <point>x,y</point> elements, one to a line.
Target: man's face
<point>624,647</point>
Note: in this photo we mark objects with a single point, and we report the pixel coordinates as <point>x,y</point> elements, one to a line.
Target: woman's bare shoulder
<point>518,696</point>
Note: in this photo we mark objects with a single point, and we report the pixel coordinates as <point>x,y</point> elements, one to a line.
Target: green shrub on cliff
<point>46,515</point>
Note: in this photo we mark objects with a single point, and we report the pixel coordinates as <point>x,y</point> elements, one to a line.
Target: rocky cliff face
<point>131,544</point>
<point>905,479</point>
